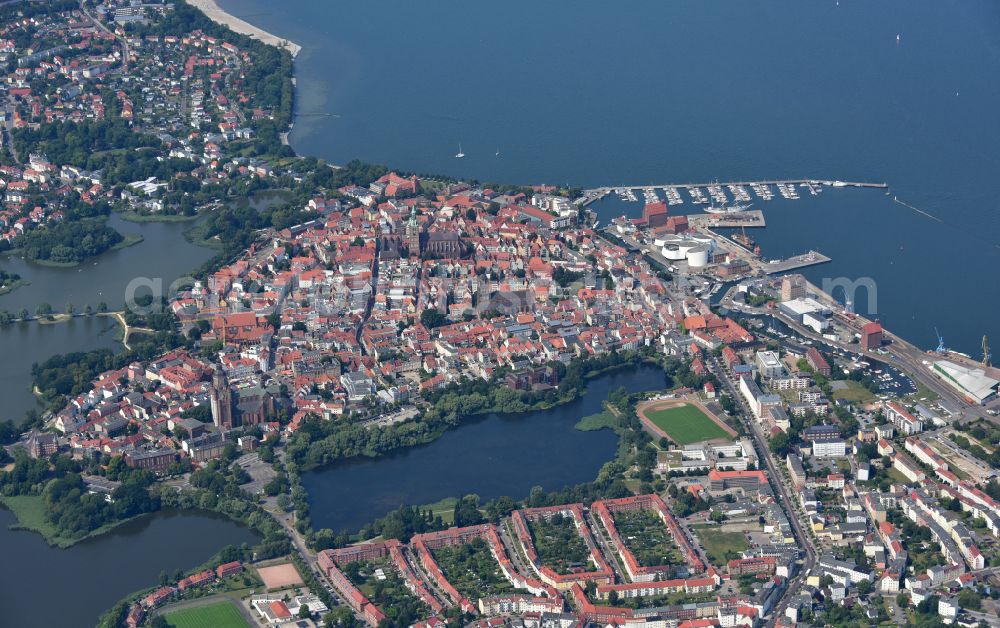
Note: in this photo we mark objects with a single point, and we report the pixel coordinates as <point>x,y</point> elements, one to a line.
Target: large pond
<point>27,343</point>
<point>44,587</point>
<point>163,255</point>
<point>493,455</point>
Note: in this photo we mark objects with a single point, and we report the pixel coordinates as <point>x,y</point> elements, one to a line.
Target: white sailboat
<point>459,154</point>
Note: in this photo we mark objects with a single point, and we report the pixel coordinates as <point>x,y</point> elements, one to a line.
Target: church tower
<point>413,234</point>
<point>221,400</point>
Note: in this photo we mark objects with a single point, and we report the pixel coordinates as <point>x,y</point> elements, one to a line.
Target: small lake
<point>31,342</point>
<point>491,456</point>
<point>163,254</point>
<point>43,586</point>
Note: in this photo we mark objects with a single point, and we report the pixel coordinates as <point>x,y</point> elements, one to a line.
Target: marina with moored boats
<point>715,193</point>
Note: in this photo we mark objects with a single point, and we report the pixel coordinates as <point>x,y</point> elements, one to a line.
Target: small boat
<point>498,151</point>
<point>459,154</point>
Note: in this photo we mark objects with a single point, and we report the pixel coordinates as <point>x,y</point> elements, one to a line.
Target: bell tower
<point>221,399</point>
<point>413,234</point>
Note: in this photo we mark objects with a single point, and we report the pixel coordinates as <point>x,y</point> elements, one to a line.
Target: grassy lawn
<point>30,513</point>
<point>924,392</point>
<point>130,239</point>
<point>445,508</point>
<point>789,395</point>
<point>854,392</point>
<point>686,424</point>
<point>47,262</point>
<point>717,544</point>
<point>897,476</point>
<point>633,485</point>
<point>962,475</point>
<point>221,615</point>
<point>12,285</point>
<point>198,235</point>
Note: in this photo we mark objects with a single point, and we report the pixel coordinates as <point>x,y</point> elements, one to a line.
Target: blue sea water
<point>656,91</point>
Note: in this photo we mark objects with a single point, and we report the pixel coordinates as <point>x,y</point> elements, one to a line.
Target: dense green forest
<point>109,145</point>
<point>76,512</point>
<point>76,142</point>
<point>68,242</point>
<point>69,507</point>
<point>73,512</point>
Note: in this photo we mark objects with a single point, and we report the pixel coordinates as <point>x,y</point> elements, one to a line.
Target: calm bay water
<point>596,93</point>
<point>491,456</point>
<point>70,588</point>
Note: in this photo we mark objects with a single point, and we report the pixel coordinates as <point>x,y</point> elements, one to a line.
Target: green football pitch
<point>686,424</point>
<point>221,615</point>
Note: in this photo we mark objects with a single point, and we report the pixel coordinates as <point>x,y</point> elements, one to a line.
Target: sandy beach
<point>217,14</point>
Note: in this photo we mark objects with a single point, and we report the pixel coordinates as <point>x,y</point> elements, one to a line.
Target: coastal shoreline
<point>217,14</point>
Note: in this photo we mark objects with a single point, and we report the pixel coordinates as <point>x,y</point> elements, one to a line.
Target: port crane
<point>940,348</point>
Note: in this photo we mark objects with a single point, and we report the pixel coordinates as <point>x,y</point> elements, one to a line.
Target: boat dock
<point>717,190</point>
<point>811,258</point>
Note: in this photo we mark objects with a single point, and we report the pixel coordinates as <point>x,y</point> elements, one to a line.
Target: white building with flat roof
<point>829,448</point>
<point>797,308</point>
<point>769,364</point>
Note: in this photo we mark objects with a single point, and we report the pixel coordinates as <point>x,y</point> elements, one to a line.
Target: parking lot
<point>260,471</point>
